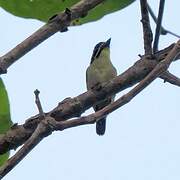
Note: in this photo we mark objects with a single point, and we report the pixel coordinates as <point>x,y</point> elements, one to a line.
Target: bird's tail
<point>101,126</point>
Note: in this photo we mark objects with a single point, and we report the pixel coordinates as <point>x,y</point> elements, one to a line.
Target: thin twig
<point>163,30</point>
<point>158,25</point>
<point>147,33</point>
<point>43,129</point>
<point>170,78</point>
<point>172,33</point>
<point>38,103</point>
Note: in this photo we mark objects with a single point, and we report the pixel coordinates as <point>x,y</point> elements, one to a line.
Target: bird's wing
<point>93,77</point>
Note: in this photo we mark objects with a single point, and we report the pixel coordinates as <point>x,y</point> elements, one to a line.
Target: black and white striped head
<point>98,49</point>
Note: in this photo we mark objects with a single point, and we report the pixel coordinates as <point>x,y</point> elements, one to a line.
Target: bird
<point>99,72</point>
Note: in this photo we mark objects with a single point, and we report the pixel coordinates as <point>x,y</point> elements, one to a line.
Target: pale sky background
<point>142,138</point>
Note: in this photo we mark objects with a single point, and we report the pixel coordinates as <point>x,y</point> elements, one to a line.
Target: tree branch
<point>74,107</point>
<point>147,33</point>
<point>160,68</point>
<point>42,130</point>
<point>36,128</point>
<point>168,77</point>
<point>57,23</point>
<point>48,125</point>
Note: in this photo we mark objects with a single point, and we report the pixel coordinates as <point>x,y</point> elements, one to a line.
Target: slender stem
<point>172,33</point>
<point>158,26</point>
<point>171,78</point>
<point>163,30</point>
<point>38,103</point>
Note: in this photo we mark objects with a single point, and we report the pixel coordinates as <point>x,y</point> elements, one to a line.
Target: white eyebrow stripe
<point>98,51</point>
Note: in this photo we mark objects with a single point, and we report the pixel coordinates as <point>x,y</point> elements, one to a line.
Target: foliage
<point>5,120</point>
<point>44,9</point>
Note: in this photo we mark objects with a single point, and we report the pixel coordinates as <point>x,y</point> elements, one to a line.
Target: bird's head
<point>101,48</point>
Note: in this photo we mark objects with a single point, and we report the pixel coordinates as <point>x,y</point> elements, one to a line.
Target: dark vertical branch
<point>163,30</point>
<point>158,26</point>
<point>147,33</point>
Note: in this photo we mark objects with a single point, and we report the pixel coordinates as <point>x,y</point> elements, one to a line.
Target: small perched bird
<point>100,71</point>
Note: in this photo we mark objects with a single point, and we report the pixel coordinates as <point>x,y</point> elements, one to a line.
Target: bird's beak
<point>107,43</point>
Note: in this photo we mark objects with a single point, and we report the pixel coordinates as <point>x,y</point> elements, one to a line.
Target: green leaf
<point>109,6</point>
<point>3,158</point>
<point>44,9</point>
<point>5,120</point>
